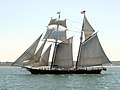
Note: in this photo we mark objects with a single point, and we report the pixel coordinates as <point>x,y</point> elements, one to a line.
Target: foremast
<point>55,48</point>
<point>62,53</point>
<point>57,34</point>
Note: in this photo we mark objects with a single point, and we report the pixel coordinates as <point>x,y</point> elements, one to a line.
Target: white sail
<point>92,53</point>
<point>28,55</point>
<point>53,33</point>
<point>64,55</point>
<point>44,59</point>
<point>57,21</point>
<point>87,28</point>
<point>39,52</point>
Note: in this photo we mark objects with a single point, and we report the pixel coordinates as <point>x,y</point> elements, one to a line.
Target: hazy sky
<point>22,22</point>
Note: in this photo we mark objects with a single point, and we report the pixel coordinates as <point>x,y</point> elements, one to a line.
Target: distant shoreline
<point>114,63</point>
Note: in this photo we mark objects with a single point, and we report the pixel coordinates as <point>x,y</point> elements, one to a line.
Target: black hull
<point>85,71</point>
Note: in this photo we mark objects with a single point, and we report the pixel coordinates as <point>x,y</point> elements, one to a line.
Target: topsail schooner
<point>90,52</point>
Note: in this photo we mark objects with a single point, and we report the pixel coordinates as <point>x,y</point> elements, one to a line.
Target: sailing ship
<point>90,58</point>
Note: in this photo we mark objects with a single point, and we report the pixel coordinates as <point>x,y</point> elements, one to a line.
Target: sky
<point>22,22</point>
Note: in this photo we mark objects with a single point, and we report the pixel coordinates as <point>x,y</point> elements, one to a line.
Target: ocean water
<point>12,78</point>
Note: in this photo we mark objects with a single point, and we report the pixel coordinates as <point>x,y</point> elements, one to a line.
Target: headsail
<point>64,55</point>
<point>44,59</point>
<point>92,53</point>
<point>37,55</point>
<point>28,54</point>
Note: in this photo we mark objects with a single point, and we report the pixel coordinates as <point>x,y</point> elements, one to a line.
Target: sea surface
<point>12,78</point>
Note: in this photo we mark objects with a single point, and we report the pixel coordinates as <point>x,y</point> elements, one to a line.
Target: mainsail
<point>92,53</point>
<point>28,55</point>
<point>64,55</point>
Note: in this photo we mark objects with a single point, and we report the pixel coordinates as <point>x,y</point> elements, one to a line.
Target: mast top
<point>59,14</point>
<point>58,21</point>
<point>83,12</point>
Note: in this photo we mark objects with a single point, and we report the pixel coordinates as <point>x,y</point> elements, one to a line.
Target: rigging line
<point>74,27</point>
<point>73,21</point>
<point>73,31</point>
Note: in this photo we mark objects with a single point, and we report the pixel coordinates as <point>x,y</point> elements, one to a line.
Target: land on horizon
<point>114,63</point>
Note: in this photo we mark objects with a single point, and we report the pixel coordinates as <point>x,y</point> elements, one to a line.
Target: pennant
<point>83,12</point>
<point>58,12</point>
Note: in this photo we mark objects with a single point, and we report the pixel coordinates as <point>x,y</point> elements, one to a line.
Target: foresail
<point>92,53</point>
<point>64,55</point>
<point>87,28</point>
<point>57,21</point>
<point>39,52</point>
<point>28,54</point>
<point>44,59</point>
<point>53,33</point>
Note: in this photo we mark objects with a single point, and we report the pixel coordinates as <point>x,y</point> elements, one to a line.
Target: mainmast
<point>55,48</point>
<point>81,38</point>
<point>79,52</point>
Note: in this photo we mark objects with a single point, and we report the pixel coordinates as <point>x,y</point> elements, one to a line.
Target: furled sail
<point>87,28</point>
<point>44,59</point>
<point>92,53</point>
<point>64,55</point>
<point>57,21</point>
<point>28,54</point>
<point>53,33</point>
